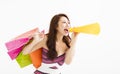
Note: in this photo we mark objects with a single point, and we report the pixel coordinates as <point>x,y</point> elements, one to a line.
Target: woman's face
<point>63,26</point>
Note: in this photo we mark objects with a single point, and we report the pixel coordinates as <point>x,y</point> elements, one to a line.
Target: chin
<point>66,34</point>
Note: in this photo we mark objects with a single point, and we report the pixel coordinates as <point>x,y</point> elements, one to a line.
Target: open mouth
<point>66,30</point>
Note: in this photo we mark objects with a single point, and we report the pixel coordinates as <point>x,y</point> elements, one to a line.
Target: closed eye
<point>66,22</point>
<point>63,22</point>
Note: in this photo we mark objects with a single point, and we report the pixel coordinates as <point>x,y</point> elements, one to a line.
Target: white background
<point>94,54</point>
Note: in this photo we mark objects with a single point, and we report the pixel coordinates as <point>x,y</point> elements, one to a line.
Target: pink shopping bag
<point>15,45</point>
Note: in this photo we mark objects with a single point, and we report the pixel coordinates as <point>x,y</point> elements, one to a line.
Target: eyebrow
<point>65,21</point>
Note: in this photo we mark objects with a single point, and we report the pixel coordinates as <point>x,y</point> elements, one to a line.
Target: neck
<point>59,37</point>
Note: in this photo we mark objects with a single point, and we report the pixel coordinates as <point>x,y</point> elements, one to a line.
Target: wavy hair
<point>51,41</point>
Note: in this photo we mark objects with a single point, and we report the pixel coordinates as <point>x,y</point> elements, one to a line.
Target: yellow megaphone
<point>93,28</point>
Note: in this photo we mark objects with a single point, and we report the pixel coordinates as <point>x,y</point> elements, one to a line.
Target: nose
<point>68,25</point>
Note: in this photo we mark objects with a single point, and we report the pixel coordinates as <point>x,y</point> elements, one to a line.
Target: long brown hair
<point>51,41</point>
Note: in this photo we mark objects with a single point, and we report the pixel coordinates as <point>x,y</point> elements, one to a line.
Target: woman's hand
<point>37,37</point>
<point>74,35</point>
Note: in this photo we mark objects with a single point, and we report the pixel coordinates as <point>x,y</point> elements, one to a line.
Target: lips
<point>66,30</point>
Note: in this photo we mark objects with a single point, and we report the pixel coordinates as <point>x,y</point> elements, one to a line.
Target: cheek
<point>59,28</point>
<point>62,26</point>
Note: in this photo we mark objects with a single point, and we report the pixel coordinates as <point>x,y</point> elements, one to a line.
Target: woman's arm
<point>70,52</point>
<point>35,44</point>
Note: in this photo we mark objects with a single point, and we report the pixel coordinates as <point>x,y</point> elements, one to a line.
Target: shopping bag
<point>23,60</point>
<point>36,57</point>
<point>15,45</point>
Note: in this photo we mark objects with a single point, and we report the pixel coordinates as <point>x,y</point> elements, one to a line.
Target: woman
<point>57,46</point>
